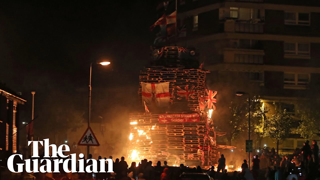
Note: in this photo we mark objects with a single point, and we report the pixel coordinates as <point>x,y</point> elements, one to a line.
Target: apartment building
<point>268,48</point>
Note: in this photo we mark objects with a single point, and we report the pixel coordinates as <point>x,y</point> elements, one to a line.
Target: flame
<point>210,113</point>
<point>226,168</point>
<point>130,136</point>
<point>134,155</point>
<point>141,132</point>
<point>133,123</point>
<point>153,127</point>
<point>239,169</point>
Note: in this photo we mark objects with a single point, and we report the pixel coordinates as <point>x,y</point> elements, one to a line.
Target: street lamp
<point>239,94</point>
<point>103,63</point>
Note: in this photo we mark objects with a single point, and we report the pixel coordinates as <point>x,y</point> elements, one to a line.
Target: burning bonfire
<point>176,125</point>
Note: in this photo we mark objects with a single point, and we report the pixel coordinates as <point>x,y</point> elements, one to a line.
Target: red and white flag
<point>186,92</point>
<point>165,20</point>
<point>157,93</point>
<point>211,100</point>
<point>161,21</point>
<point>171,19</point>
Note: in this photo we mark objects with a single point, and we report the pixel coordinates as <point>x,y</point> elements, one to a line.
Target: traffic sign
<point>88,139</point>
<point>248,145</point>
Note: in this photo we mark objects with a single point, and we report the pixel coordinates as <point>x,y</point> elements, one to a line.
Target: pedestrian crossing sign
<point>88,139</point>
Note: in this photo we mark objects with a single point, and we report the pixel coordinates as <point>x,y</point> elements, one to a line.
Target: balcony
<point>243,56</point>
<point>252,26</point>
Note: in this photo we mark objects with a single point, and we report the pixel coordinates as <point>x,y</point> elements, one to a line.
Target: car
<point>195,176</point>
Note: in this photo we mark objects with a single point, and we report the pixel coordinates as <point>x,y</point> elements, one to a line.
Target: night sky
<point>48,46</point>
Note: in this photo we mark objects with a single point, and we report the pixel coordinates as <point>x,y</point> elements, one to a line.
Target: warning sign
<point>88,139</point>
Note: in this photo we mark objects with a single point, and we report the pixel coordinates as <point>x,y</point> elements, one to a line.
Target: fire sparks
<point>141,132</point>
<point>130,136</point>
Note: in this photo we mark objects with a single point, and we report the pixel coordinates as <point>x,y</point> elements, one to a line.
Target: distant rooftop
<point>4,90</point>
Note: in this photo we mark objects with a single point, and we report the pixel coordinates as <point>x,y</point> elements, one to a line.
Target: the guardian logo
<point>51,164</point>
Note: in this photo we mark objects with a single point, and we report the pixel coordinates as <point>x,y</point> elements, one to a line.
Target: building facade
<point>9,122</point>
<point>268,48</point>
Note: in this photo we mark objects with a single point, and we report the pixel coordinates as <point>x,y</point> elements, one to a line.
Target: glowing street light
<point>104,63</point>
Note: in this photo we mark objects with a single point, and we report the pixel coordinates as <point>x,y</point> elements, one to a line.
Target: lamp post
<point>103,63</point>
<point>239,94</point>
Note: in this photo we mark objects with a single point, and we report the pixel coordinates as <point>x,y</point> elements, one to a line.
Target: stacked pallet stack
<point>179,79</point>
<point>164,135</point>
<point>173,142</point>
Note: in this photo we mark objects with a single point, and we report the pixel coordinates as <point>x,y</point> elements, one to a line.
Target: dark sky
<point>61,39</point>
<point>47,46</point>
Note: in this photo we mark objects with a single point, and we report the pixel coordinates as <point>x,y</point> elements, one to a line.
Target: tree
<point>309,116</point>
<point>237,118</point>
<point>278,124</point>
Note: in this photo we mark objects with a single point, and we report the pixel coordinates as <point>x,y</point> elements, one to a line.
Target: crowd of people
<point>303,164</point>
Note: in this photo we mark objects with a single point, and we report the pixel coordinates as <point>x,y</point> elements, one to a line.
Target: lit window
<point>295,18</point>
<point>195,23</point>
<point>234,12</point>
<point>299,49</point>
<point>294,79</point>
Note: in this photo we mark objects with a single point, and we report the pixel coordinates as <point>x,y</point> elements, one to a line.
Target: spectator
<point>221,163</point>
<point>278,175</point>
<point>244,165</point>
<point>315,152</point>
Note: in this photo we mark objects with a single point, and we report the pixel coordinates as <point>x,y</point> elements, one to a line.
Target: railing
<point>245,27</point>
<point>249,27</point>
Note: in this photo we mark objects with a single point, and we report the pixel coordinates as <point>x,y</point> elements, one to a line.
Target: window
<point>300,143</point>
<point>234,11</point>
<point>248,58</point>
<point>299,49</point>
<point>295,18</point>
<point>195,23</point>
<point>294,79</point>
<point>289,108</point>
<point>288,144</point>
<point>256,76</point>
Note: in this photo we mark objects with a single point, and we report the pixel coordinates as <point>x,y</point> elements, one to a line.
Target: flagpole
<point>176,19</point>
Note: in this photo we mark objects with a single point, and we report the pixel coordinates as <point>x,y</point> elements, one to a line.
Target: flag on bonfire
<point>211,100</point>
<point>156,93</point>
<point>186,92</point>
